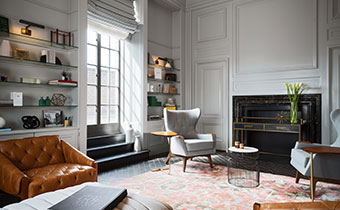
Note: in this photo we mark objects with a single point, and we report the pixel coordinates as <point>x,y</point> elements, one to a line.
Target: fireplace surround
<point>272,107</point>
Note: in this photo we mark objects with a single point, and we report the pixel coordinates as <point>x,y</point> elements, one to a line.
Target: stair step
<point>105,140</point>
<point>109,150</point>
<point>114,161</point>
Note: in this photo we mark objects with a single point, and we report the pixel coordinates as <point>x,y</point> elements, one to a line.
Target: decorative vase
<point>6,49</point>
<point>2,122</point>
<point>293,113</point>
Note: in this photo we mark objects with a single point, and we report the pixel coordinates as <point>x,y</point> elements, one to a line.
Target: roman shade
<point>117,16</point>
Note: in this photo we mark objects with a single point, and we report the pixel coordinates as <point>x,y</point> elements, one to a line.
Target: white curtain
<point>117,16</point>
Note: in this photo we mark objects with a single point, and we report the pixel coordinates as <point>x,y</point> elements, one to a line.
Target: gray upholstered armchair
<point>188,143</point>
<point>325,167</point>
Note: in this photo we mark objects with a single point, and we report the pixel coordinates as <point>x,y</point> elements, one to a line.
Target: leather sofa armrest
<point>11,177</point>
<point>72,155</point>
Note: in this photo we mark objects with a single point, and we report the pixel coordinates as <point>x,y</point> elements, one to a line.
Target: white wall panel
<point>275,35</point>
<point>211,26</point>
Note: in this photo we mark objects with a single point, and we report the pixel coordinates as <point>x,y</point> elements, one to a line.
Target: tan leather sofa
<point>32,166</point>
<point>325,205</point>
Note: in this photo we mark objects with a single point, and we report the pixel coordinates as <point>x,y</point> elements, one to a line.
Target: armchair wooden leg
<point>210,161</point>
<point>297,176</point>
<point>167,158</point>
<point>315,180</point>
<point>184,163</point>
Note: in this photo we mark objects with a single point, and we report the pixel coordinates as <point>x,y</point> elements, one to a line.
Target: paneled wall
<point>251,47</point>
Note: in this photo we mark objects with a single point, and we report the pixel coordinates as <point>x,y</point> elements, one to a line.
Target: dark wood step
<point>109,150</point>
<point>105,140</point>
<point>115,161</point>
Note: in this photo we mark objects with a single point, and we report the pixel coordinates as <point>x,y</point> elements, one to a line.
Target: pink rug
<point>203,188</point>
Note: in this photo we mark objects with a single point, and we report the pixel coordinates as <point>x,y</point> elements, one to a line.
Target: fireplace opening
<point>263,122</point>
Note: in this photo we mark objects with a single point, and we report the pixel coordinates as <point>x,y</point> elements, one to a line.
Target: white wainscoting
<point>268,42</point>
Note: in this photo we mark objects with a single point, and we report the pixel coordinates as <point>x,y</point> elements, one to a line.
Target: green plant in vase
<point>294,91</point>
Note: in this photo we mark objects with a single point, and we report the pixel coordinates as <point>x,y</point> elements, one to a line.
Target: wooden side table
<point>168,135</point>
<point>318,150</point>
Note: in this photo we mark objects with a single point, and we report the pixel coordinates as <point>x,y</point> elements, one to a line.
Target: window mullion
<point>98,78</point>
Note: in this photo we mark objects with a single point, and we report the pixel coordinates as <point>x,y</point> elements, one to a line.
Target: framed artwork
<point>53,118</point>
<point>21,54</point>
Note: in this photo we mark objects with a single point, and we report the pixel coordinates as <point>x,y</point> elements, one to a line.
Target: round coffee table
<point>243,169</point>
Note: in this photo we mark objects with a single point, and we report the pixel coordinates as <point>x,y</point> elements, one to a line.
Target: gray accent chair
<point>188,143</point>
<point>325,167</point>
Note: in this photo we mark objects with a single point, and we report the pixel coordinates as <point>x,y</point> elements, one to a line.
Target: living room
<point>186,104</point>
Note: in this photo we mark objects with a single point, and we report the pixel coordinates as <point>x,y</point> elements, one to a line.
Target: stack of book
<point>62,82</point>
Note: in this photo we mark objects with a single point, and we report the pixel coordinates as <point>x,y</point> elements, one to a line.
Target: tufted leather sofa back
<point>35,152</point>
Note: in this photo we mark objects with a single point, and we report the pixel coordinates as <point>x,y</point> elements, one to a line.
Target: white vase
<point>138,145</point>
<point>2,122</point>
<point>6,49</point>
<point>129,134</point>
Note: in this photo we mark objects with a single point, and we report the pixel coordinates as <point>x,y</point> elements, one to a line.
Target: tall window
<point>103,57</point>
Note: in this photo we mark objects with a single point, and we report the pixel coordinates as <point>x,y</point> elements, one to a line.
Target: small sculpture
<point>58,99</point>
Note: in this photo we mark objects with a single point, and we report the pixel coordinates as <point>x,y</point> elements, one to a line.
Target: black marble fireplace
<point>266,109</point>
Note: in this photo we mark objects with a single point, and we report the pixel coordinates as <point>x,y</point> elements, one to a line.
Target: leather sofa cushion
<point>198,144</point>
<point>33,152</point>
<point>51,177</point>
<point>301,156</point>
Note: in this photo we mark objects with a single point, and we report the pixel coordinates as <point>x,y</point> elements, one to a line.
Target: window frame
<point>104,128</point>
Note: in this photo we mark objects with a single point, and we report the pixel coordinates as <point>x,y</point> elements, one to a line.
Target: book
<point>92,197</point>
<point>62,81</point>
<point>5,129</point>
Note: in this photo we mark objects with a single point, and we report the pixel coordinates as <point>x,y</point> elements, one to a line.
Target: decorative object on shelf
<point>173,90</point>
<point>170,102</point>
<point>150,60</point>
<point>21,54</point>
<point>152,88</point>
<point>294,91</point>
<point>282,117</point>
<point>3,78</point>
<point>53,118</point>
<point>30,122</point>
<point>48,101</point>
<point>4,26</point>
<point>17,98</point>
<point>170,63</point>
<point>30,80</point>
<point>6,49</point>
<point>2,122</point>
<point>154,117</point>
<point>152,101</point>
<point>166,88</point>
<point>6,103</point>
<point>66,37</point>
<point>158,73</point>
<point>66,76</point>
<point>68,122</point>
<point>27,31</point>
<point>43,59</point>
<point>129,138</point>
<point>171,77</point>
<point>48,56</point>
<point>58,99</point>
<point>42,102</point>
<point>161,61</point>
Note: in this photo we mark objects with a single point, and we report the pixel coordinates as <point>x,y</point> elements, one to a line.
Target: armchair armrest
<point>72,155</point>
<point>207,136</point>
<point>11,177</point>
<point>301,144</point>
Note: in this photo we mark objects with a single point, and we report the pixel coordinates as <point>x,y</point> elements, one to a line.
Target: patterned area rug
<point>201,187</point>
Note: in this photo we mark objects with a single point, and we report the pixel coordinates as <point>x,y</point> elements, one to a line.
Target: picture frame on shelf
<point>4,25</point>
<point>21,54</point>
<point>53,118</point>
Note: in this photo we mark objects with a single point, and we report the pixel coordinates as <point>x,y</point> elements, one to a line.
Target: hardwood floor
<point>267,164</point>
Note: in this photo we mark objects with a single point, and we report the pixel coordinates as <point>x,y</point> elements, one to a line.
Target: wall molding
<point>333,10</point>
<point>48,6</point>
<point>217,36</point>
<point>236,26</point>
